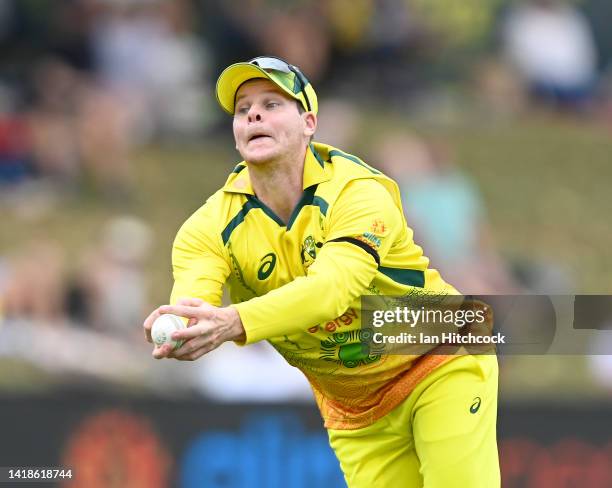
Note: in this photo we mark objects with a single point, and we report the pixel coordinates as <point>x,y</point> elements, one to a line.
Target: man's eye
<point>272,104</point>
<point>242,110</point>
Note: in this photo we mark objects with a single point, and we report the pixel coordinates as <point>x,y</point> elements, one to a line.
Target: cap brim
<point>234,76</point>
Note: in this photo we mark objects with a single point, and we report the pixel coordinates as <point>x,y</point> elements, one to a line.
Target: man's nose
<point>254,114</point>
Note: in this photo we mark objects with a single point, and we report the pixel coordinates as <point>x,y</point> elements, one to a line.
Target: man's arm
<point>198,265</point>
<point>343,272</point>
<point>199,270</point>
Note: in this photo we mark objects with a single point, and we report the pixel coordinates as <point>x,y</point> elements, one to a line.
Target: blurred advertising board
<point>115,441</point>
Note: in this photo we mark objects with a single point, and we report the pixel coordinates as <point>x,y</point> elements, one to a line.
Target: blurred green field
<point>546,186</point>
<point>545,182</point>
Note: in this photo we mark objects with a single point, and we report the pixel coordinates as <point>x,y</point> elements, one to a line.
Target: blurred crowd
<point>85,84</point>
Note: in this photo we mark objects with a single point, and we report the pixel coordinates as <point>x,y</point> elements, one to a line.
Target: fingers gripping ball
<point>163,327</point>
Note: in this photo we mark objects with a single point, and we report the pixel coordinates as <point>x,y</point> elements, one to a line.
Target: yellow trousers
<point>442,436</point>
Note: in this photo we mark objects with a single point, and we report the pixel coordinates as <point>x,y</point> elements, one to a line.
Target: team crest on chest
<point>309,251</point>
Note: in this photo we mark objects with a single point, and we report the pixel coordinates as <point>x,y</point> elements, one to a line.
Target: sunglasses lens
<point>271,63</point>
<point>275,64</point>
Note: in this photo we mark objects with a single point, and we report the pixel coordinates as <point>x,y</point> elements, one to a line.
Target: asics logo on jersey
<point>475,405</point>
<point>267,266</point>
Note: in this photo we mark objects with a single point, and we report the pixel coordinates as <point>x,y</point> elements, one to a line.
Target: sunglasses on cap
<point>277,64</point>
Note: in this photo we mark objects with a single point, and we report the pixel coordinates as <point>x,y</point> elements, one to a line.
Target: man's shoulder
<point>351,172</point>
<point>213,203</point>
<point>209,215</point>
<point>345,164</point>
<point>202,226</point>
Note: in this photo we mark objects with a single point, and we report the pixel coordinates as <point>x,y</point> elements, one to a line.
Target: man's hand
<point>207,329</point>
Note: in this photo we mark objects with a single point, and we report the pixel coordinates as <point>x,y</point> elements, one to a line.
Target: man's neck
<point>279,184</point>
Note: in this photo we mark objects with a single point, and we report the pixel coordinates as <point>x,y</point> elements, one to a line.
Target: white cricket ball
<point>163,327</point>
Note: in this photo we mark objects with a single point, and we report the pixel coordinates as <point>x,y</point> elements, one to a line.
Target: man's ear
<point>310,126</point>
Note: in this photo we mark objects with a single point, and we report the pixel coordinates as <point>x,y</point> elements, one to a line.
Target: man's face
<point>267,123</point>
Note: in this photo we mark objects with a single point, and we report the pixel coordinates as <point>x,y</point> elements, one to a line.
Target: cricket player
<point>299,232</point>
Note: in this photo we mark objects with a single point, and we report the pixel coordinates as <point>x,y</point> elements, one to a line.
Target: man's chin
<point>259,157</point>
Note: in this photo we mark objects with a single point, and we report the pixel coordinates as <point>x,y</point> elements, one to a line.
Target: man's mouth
<point>255,137</point>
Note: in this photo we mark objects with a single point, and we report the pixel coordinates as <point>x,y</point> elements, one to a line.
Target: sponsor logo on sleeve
<point>378,227</point>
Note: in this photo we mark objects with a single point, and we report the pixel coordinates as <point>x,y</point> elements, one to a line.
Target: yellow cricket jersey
<point>298,284</point>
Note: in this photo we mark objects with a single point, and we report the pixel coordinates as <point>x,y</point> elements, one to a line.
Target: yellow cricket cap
<point>286,76</point>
